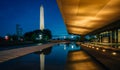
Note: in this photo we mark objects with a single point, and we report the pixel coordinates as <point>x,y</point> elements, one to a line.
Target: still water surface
<point>53,58</point>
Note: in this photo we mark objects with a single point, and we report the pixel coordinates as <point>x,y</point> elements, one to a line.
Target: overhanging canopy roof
<point>84,16</point>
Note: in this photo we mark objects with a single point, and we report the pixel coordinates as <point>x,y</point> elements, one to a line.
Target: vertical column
<point>100,39</point>
<point>41,17</point>
<point>108,35</point>
<point>114,36</point>
<point>42,61</point>
<point>118,37</point>
<point>111,38</point>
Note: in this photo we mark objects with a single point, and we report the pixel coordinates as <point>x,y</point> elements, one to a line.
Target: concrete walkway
<point>14,53</point>
<point>79,60</point>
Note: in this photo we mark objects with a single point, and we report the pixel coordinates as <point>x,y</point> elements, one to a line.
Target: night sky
<point>26,14</point>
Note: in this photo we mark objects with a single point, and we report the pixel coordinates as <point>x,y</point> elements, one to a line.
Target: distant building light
<point>6,37</point>
<point>95,36</point>
<point>40,36</point>
<point>21,39</point>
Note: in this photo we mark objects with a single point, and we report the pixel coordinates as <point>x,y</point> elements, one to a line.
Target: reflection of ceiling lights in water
<point>97,48</point>
<point>114,53</point>
<point>104,50</point>
<point>72,46</point>
<point>93,47</point>
<point>64,47</point>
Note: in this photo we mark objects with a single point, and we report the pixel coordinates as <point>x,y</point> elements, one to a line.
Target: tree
<point>28,36</point>
<point>47,33</point>
<point>37,34</point>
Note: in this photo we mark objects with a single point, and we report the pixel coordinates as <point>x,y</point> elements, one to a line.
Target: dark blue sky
<point>26,13</point>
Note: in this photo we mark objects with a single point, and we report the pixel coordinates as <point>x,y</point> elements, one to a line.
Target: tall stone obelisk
<point>41,17</point>
<point>42,56</point>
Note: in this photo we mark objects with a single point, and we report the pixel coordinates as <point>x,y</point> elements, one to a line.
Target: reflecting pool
<point>52,58</point>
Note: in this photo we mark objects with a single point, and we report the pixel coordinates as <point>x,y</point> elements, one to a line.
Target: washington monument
<point>42,56</point>
<point>41,18</point>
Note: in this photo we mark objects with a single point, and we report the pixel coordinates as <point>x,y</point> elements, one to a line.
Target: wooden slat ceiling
<point>84,16</point>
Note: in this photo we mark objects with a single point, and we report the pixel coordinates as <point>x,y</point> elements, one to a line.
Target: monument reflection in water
<point>66,46</point>
<point>42,54</point>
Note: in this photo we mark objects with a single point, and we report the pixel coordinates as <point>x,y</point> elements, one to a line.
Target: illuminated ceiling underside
<point>84,16</point>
